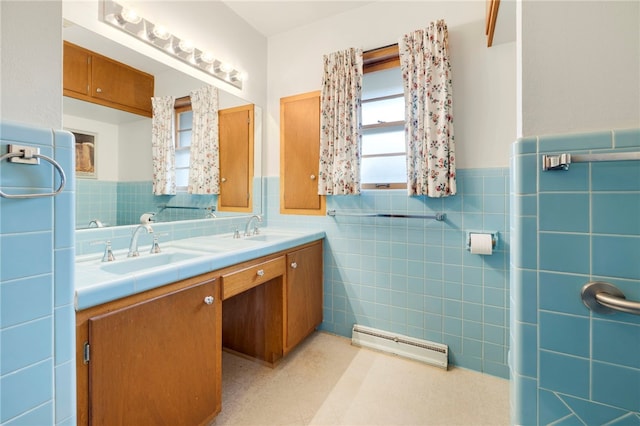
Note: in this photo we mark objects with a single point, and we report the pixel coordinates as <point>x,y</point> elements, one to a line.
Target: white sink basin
<point>267,237</point>
<point>212,244</point>
<point>147,261</point>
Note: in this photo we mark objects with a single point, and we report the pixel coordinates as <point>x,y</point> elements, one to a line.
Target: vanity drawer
<point>238,281</point>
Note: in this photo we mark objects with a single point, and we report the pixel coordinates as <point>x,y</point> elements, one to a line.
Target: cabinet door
<point>115,82</point>
<point>235,126</point>
<point>300,154</point>
<point>303,294</point>
<point>76,65</point>
<point>157,362</point>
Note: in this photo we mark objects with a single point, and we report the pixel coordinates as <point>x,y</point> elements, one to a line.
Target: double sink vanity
<point>150,330</point>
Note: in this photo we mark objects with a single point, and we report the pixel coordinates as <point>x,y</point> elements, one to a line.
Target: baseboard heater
<point>409,347</point>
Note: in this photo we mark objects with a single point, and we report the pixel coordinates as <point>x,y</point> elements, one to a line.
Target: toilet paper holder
<point>494,239</point>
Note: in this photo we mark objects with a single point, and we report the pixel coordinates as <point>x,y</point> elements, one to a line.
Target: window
<point>383,161</point>
<point>184,124</point>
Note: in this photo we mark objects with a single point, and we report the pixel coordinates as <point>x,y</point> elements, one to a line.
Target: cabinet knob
<point>99,90</point>
<point>223,179</point>
<point>294,265</point>
<point>260,272</point>
<point>208,300</point>
<point>313,177</point>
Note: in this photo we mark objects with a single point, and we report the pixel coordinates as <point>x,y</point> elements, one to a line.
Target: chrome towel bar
<point>437,216</point>
<point>605,298</point>
<point>562,161</point>
<point>164,206</point>
<point>28,155</point>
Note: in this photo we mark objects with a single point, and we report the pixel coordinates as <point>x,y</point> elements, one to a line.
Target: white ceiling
<point>274,17</point>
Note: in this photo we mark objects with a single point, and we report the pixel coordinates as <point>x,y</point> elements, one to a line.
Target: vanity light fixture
<point>129,21</point>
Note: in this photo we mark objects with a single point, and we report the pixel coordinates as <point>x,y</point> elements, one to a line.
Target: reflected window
<point>184,125</point>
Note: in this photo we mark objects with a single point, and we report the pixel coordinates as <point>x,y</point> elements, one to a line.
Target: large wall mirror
<point>114,184</point>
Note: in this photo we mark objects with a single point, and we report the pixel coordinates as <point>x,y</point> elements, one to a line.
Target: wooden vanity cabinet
<point>91,77</point>
<point>300,155</point>
<point>271,304</point>
<point>304,295</point>
<point>155,358</point>
<point>152,358</point>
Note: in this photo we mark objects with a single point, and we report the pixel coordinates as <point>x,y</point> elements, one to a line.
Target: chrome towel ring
<point>29,155</point>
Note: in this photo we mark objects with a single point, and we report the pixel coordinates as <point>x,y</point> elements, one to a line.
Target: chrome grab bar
<point>605,298</point>
<point>562,161</point>
<point>29,155</point>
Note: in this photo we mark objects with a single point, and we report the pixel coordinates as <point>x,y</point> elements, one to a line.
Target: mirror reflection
<point>113,149</point>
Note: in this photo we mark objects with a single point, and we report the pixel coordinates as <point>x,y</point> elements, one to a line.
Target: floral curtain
<point>426,74</point>
<point>162,146</point>
<point>340,123</point>
<point>204,166</point>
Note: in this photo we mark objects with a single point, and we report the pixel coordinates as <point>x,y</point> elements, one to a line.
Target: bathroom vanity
<point>154,357</point>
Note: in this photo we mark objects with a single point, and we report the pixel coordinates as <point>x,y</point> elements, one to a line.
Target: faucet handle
<point>108,253</point>
<point>236,233</point>
<point>155,247</point>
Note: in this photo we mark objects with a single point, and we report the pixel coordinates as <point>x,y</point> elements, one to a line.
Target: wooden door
<point>235,127</point>
<point>157,362</point>
<point>76,66</point>
<point>303,294</point>
<point>118,83</point>
<point>300,154</point>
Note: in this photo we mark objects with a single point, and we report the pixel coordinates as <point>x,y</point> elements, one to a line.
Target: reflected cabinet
<point>236,134</point>
<point>91,77</point>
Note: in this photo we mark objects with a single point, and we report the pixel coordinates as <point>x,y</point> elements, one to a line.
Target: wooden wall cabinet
<point>300,155</point>
<point>91,77</point>
<point>153,358</point>
<point>236,135</point>
<point>492,7</point>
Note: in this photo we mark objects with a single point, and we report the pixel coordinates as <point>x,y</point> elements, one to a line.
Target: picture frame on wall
<point>85,154</point>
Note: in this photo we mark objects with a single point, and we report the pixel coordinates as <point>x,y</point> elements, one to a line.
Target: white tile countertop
<point>97,282</point>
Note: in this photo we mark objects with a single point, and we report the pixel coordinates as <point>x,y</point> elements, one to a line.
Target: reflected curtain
<point>340,123</point>
<point>162,145</point>
<point>426,74</point>
<point>204,165</point>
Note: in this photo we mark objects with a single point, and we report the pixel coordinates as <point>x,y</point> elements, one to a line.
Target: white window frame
<point>391,125</point>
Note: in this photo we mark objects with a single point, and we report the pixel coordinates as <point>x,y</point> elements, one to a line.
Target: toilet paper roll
<point>481,243</point>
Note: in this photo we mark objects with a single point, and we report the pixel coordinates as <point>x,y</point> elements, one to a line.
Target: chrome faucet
<point>97,223</point>
<point>256,230</point>
<point>133,247</point>
<point>108,253</point>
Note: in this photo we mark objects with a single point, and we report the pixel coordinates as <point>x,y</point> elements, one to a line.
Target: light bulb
<point>207,57</point>
<point>186,46</point>
<point>161,32</point>
<point>226,68</point>
<point>130,15</point>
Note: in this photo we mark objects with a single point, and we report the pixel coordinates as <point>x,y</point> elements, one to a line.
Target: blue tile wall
<point>415,276</point>
<point>570,365</point>
<point>122,203</point>
<point>37,332</point>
